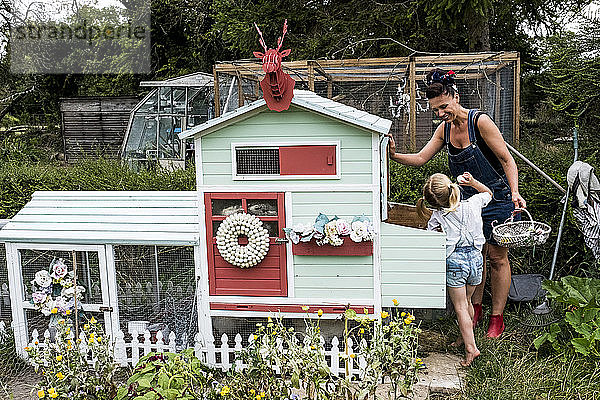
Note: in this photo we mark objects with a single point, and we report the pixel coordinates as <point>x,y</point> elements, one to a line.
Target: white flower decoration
<point>42,279</point>
<point>243,256</point>
<point>343,227</point>
<point>59,269</point>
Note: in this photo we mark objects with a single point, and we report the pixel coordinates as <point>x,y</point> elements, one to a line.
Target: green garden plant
<point>580,329</point>
<point>168,376</point>
<point>67,371</point>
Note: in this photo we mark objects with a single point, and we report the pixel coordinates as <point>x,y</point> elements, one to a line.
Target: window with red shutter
<point>309,160</point>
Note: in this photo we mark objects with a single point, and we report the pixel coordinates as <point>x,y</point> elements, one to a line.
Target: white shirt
<point>466,216</point>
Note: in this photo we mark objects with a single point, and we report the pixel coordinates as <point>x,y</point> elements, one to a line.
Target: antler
<point>261,40</point>
<point>280,39</point>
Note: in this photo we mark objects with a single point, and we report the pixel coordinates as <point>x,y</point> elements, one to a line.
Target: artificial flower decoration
<point>332,232</point>
<point>54,292</point>
<point>242,224</point>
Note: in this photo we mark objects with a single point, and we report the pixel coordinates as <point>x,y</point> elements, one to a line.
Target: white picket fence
<point>220,355</point>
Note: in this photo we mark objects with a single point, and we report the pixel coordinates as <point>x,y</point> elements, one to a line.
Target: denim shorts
<point>464,267</point>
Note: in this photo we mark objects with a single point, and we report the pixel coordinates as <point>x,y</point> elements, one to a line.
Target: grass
<point>510,368</point>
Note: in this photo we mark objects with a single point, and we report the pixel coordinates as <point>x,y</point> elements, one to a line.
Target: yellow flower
<point>395,302</point>
<point>255,337</point>
<point>52,393</point>
<point>68,331</point>
<point>27,348</point>
<point>61,321</point>
<point>54,310</point>
<point>366,311</point>
<point>257,397</point>
<point>36,343</point>
<point>403,314</point>
<point>407,321</point>
<point>60,376</point>
<point>93,320</point>
<point>384,314</point>
<point>225,390</point>
<point>99,339</point>
<point>59,357</point>
<point>41,394</point>
<point>269,319</point>
<point>305,308</point>
<point>86,327</point>
<point>252,391</point>
<point>362,330</point>
<point>262,394</point>
<point>68,312</point>
<point>352,355</point>
<point>419,361</point>
<point>319,312</point>
<point>92,335</point>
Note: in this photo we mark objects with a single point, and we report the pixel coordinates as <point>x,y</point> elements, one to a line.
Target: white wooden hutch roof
<point>304,99</point>
<point>106,217</point>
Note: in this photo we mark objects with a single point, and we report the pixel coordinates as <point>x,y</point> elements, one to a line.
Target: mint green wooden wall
<point>294,125</point>
<point>349,277</point>
<point>413,267</point>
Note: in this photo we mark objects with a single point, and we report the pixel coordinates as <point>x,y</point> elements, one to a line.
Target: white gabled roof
<point>97,217</point>
<point>304,99</point>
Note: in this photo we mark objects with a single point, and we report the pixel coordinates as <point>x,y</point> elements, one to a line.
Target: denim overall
<point>471,159</point>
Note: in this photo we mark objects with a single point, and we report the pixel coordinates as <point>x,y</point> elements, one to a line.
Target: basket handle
<point>518,210</point>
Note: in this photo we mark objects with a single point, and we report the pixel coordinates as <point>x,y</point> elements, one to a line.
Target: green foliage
<point>19,180</point>
<point>279,360</point>
<point>390,353</point>
<point>580,329</point>
<point>65,370</point>
<point>168,376</point>
<point>508,369</point>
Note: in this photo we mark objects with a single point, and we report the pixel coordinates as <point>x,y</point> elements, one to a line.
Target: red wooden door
<point>269,277</point>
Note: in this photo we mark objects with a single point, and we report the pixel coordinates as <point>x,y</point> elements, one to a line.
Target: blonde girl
<point>463,225</point>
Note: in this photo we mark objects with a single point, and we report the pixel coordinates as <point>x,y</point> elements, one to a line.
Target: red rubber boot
<point>477,314</point>
<point>496,326</point>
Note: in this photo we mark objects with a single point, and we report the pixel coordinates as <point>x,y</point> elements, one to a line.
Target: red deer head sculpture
<point>277,86</point>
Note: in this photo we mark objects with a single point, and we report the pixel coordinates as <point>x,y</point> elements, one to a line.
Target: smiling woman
<point>475,145</point>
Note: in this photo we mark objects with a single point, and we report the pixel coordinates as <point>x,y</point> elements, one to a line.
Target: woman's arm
<point>434,145</point>
<point>493,138</point>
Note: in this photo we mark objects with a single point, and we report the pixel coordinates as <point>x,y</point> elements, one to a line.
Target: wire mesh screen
<point>231,326</point>
<point>5,311</point>
<point>261,161</point>
<point>156,291</point>
<point>383,87</point>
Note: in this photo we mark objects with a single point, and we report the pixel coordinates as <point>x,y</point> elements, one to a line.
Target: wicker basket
<point>521,233</point>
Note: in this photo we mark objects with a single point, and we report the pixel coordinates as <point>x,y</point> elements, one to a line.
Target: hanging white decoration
<point>243,256</point>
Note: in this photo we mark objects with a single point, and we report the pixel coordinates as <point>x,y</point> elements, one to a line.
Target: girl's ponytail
<point>454,198</point>
<point>423,212</point>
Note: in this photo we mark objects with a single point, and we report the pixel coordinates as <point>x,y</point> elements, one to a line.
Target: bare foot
<point>469,357</point>
<point>457,343</point>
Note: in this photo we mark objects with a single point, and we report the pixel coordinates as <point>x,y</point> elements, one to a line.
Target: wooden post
<point>311,76</point>
<point>497,99</point>
<point>413,104</point>
<point>217,101</point>
<point>240,90</point>
<point>75,293</point>
<point>517,97</point>
<point>329,88</point>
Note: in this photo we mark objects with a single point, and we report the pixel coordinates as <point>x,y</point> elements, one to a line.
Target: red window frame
<point>256,272</point>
